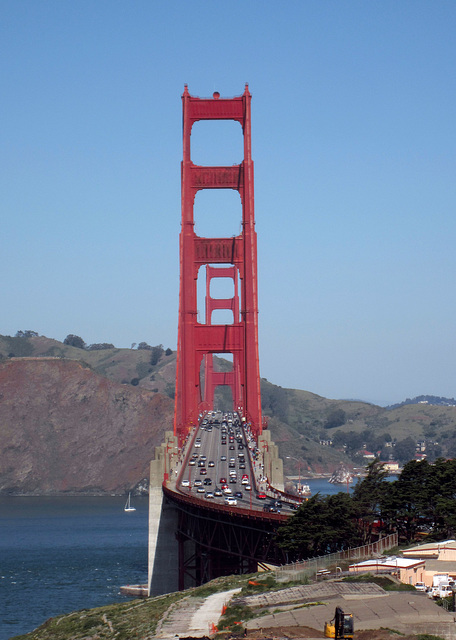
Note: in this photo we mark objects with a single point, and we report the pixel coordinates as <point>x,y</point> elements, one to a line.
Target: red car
<point>261,496</point>
<point>223,480</point>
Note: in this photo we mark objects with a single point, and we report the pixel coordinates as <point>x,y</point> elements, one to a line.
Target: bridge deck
<point>223,454</point>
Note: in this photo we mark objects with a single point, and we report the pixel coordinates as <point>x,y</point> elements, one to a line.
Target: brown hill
<point>66,429</point>
<point>87,420</point>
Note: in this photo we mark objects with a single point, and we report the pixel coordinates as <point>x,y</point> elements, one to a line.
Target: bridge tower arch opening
<point>234,258</point>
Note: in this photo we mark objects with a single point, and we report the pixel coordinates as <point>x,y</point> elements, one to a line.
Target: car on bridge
<point>203,471</point>
<point>261,496</point>
<point>185,483</point>
<point>211,463</point>
<point>229,500</point>
<point>223,480</point>
<point>238,494</point>
<point>209,494</point>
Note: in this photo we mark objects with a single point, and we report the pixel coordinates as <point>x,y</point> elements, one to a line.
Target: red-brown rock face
<point>65,429</point>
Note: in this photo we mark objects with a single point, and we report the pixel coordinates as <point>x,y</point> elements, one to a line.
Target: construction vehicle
<point>340,627</point>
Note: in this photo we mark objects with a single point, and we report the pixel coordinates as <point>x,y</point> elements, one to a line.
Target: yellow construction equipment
<point>340,627</point>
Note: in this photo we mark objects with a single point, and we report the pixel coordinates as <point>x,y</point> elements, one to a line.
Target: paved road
<point>220,447</point>
<point>193,617</point>
<point>372,608</point>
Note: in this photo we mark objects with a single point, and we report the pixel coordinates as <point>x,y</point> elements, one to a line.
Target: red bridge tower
<point>234,258</point>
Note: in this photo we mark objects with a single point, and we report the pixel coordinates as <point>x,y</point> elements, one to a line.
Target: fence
<point>312,566</point>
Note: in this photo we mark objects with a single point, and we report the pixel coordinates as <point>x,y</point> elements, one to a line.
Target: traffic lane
<point>211,446</point>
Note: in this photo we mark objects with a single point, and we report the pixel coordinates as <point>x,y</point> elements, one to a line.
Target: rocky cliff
<point>66,429</point>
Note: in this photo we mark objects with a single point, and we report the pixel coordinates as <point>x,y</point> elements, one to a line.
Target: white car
<point>231,501</point>
<point>420,586</point>
<point>185,483</point>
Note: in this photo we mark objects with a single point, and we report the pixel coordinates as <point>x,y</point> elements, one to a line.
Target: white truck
<point>442,586</point>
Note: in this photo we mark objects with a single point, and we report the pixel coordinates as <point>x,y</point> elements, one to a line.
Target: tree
<point>322,524</point>
<point>336,418</point>
<point>157,353</point>
<point>26,334</point>
<point>74,341</point>
<point>368,496</point>
<point>168,352</point>
<point>144,345</point>
<point>100,346</point>
<point>405,449</point>
<point>411,496</point>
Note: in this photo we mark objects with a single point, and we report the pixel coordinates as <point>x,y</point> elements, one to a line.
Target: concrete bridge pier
<point>273,465</point>
<point>163,520</point>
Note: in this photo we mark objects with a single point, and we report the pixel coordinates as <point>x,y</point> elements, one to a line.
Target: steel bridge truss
<point>215,542</point>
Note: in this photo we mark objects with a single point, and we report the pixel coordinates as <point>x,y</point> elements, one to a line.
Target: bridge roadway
<point>221,455</point>
<point>195,534</point>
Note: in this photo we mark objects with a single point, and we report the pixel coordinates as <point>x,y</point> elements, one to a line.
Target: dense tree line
<point>421,501</point>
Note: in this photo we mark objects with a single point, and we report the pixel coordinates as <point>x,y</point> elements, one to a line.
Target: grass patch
<point>122,621</point>
<point>233,618</point>
<point>260,585</point>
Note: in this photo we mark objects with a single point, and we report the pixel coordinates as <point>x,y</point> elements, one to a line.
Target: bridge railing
<point>313,567</point>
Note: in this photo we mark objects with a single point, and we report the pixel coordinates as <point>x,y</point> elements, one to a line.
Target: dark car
<point>203,472</point>
<point>269,508</point>
<point>238,494</point>
<point>207,481</point>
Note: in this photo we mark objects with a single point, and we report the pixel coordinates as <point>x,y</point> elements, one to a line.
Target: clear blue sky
<point>353,118</point>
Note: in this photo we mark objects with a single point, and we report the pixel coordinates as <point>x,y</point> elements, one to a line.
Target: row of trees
<point>76,341</point>
<point>421,500</point>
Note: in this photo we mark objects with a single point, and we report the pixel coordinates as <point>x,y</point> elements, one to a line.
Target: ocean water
<point>59,555</point>
<point>325,488</point>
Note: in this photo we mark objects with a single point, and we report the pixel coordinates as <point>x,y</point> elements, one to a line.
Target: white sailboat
<point>128,506</point>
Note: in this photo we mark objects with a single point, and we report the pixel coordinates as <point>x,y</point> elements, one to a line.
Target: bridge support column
<point>163,546</point>
<point>273,465</point>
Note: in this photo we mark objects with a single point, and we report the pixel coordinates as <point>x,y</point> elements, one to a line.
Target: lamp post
<point>299,471</point>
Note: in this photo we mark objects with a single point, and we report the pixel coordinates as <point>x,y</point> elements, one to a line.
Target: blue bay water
<point>63,554</point>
